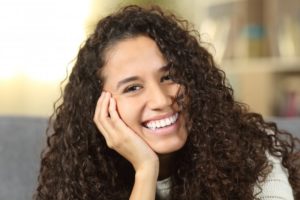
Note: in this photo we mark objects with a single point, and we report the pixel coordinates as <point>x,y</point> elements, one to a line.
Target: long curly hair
<point>225,153</point>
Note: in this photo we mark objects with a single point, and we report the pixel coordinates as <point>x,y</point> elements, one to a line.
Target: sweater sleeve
<point>276,186</point>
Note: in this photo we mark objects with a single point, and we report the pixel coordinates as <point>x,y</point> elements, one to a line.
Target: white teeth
<point>168,121</point>
<point>151,125</point>
<point>157,124</point>
<point>162,123</point>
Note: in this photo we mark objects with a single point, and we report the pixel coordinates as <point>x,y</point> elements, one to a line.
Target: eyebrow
<point>134,78</point>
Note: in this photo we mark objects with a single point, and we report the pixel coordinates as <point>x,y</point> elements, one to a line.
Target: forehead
<point>132,55</point>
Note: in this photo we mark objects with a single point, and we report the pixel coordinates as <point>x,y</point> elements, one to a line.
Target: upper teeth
<point>162,123</point>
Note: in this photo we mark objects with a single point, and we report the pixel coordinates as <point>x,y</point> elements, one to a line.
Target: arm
<point>127,143</point>
<point>145,183</point>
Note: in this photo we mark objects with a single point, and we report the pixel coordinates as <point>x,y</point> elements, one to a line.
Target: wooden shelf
<point>258,52</point>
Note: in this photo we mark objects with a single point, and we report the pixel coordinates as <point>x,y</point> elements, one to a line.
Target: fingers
<point>101,111</point>
<point>112,109</point>
<point>99,106</point>
<point>108,121</point>
<point>104,106</point>
<point>106,117</point>
<point>118,135</point>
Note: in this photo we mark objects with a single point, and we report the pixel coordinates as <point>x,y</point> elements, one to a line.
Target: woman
<point>147,114</point>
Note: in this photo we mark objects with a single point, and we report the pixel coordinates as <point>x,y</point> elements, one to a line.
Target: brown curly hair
<point>224,156</point>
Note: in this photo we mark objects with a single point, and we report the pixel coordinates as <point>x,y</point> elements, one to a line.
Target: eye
<point>132,88</point>
<point>166,78</point>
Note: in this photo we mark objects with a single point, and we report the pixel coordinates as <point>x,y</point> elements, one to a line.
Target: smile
<point>156,124</point>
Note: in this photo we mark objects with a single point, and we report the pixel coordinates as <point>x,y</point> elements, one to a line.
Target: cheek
<point>129,112</point>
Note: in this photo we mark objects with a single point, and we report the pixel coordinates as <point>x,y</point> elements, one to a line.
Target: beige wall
<point>20,96</point>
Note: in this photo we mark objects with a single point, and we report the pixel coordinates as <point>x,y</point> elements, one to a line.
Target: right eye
<point>132,88</point>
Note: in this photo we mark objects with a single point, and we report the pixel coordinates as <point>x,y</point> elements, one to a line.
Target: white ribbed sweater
<point>275,187</point>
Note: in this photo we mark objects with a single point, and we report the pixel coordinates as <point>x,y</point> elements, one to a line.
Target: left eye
<point>166,78</point>
<point>132,88</point>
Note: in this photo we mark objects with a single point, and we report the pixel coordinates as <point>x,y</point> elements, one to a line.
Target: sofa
<point>21,142</point>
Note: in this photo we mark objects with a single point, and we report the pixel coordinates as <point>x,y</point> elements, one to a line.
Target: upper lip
<point>159,117</point>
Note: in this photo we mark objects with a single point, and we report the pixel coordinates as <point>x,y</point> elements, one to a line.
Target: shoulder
<point>276,185</point>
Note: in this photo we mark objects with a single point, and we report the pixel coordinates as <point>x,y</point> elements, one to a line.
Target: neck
<point>166,165</point>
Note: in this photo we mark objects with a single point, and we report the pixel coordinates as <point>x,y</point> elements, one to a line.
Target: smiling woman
<point>146,114</point>
<point>137,76</point>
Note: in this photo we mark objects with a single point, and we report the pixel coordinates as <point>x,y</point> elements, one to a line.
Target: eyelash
<point>134,88</point>
<point>131,88</point>
<point>168,77</point>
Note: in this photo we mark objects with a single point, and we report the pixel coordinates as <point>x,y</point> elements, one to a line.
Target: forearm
<point>145,184</point>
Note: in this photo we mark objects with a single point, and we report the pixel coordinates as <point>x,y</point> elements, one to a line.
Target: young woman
<point>146,114</point>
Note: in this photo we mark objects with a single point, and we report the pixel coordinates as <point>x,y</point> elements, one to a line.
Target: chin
<point>168,148</point>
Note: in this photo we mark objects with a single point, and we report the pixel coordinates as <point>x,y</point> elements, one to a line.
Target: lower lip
<point>166,130</point>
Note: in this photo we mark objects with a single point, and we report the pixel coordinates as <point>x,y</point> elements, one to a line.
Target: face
<point>137,75</point>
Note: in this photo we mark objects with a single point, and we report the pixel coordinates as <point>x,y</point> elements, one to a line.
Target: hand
<point>120,137</point>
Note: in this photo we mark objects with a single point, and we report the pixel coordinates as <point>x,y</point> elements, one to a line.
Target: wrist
<point>148,170</point>
<point>145,182</point>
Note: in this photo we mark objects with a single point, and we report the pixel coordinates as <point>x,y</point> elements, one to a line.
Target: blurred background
<point>256,42</point>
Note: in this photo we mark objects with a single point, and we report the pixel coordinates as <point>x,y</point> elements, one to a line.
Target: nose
<point>160,97</point>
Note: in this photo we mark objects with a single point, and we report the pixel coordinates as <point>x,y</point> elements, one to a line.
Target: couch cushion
<point>291,124</point>
<point>21,141</point>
